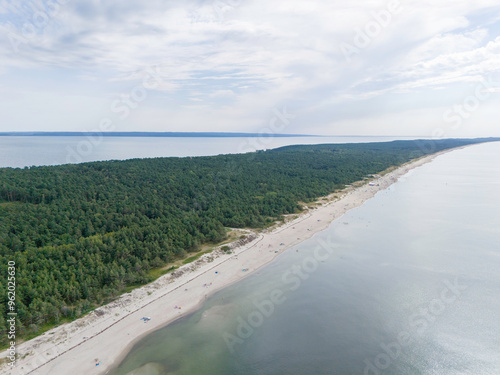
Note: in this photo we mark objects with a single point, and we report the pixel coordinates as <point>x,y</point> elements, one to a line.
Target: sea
<point>407,283</point>
<point>27,151</point>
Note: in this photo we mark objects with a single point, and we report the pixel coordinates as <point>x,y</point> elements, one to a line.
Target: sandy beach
<point>96,343</point>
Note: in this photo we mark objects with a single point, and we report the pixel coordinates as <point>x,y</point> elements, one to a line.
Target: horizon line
<point>179,134</point>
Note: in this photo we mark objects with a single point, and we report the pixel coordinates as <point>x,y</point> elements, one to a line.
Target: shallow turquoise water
<point>409,283</point>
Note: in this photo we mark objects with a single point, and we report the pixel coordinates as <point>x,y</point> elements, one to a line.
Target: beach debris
<point>245,269</point>
<point>146,319</point>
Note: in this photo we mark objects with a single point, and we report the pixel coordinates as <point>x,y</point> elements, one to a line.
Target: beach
<point>96,343</point>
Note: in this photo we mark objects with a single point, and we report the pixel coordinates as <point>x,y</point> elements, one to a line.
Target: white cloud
<point>222,94</point>
<point>254,55</point>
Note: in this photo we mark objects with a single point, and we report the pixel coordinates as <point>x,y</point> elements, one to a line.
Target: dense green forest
<point>81,233</point>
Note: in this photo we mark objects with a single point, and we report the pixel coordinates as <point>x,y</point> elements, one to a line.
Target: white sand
<point>106,334</point>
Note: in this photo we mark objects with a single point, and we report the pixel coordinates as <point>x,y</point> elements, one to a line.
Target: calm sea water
<point>29,151</point>
<point>409,283</point>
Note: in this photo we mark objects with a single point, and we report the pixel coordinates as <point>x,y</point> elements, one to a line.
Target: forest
<point>80,234</point>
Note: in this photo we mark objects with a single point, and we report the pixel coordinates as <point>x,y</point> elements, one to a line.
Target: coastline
<point>106,334</point>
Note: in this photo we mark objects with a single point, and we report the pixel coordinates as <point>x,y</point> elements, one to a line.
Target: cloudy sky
<point>338,67</point>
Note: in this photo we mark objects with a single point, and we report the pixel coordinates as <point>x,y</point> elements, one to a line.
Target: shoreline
<point>107,334</point>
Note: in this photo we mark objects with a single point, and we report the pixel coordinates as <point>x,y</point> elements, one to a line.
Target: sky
<point>336,67</point>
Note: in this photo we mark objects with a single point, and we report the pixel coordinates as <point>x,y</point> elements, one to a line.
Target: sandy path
<point>106,334</point>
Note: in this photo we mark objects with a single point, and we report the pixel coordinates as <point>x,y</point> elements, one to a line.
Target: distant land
<point>150,134</point>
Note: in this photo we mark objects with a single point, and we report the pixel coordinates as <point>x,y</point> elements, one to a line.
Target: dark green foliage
<point>80,234</point>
